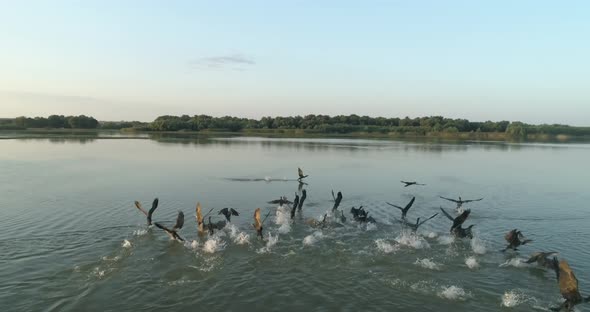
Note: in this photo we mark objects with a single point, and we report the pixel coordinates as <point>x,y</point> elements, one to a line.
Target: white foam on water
<point>385,247</point>
<point>513,298</point>
<point>311,239</point>
<point>471,262</point>
<point>126,244</point>
<point>213,244</point>
<point>478,246</point>
<point>446,239</point>
<point>140,232</point>
<point>115,258</point>
<point>283,219</point>
<point>270,242</point>
<point>413,240</point>
<point>453,293</point>
<point>240,238</point>
<point>427,264</point>
<point>515,262</point>
<point>432,235</point>
<point>194,244</point>
<point>371,226</point>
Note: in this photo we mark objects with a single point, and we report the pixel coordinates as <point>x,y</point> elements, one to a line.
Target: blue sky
<point>498,60</point>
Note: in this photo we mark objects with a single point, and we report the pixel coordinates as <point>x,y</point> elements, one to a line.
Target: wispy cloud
<point>232,61</point>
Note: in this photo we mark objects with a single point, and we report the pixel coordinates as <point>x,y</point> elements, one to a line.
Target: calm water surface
<point>71,239</point>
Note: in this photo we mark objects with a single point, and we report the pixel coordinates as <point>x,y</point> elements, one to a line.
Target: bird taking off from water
<point>568,286</point>
<point>408,183</point>
<point>542,259</point>
<point>149,213</point>
<point>228,212</point>
<point>515,239</point>
<point>301,176</point>
<point>303,197</point>
<point>281,201</point>
<point>258,223</point>
<point>173,233</point>
<point>457,228</point>
<point>404,209</point>
<point>337,200</point>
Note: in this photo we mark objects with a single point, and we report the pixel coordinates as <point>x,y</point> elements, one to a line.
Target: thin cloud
<point>233,61</point>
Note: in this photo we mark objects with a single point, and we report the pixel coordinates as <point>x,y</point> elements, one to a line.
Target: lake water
<point>72,240</point>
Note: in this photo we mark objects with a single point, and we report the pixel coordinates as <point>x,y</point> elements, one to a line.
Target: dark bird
<point>303,197</point>
<point>281,201</point>
<point>411,183</point>
<point>361,215</point>
<point>542,259</point>
<point>342,217</point>
<point>301,176</point>
<point>415,226</point>
<point>228,212</point>
<point>460,201</point>
<point>149,213</point>
<point>173,233</point>
<point>568,286</point>
<point>257,222</point>
<point>294,208</point>
<point>337,200</point>
<point>515,239</point>
<point>211,227</point>
<point>457,229</point>
<point>404,209</point>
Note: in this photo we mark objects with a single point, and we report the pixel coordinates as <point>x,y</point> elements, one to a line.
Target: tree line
<point>310,123</point>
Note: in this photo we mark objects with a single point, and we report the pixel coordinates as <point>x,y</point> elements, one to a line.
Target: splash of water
<point>432,235</point>
<point>240,238</point>
<point>513,298</point>
<point>312,238</point>
<point>283,219</point>
<point>126,244</point>
<point>471,262</point>
<point>478,246</point>
<point>270,242</point>
<point>213,244</point>
<point>453,293</point>
<point>413,240</point>
<point>385,247</point>
<point>446,239</point>
<point>140,232</point>
<point>515,262</point>
<point>427,264</point>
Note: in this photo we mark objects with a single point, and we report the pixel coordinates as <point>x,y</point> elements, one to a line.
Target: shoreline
<point>42,133</point>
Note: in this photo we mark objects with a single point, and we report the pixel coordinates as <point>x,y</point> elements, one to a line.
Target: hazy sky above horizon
<point>136,60</point>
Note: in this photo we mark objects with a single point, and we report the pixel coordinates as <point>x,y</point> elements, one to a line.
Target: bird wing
<point>472,200</point>
<point>434,215</point>
<point>300,172</point>
<point>154,206</point>
<point>396,206</point>
<point>199,214</point>
<point>450,199</point>
<point>224,212</point>
<point>461,218</point>
<point>158,225</point>
<point>534,257</point>
<point>257,222</point>
<point>138,205</point>
<point>334,197</point>
<point>234,212</point>
<point>179,221</point>
<point>447,214</point>
<point>568,283</point>
<point>409,204</point>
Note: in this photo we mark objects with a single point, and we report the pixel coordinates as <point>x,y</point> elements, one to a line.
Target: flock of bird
<point>567,281</point>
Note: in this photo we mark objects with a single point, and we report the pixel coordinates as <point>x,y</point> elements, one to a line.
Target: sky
<point>136,60</point>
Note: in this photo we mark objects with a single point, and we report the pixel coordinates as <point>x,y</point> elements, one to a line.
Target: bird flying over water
<point>173,233</point>
<point>408,183</point>
<point>294,208</point>
<point>281,201</point>
<point>257,222</point>
<point>460,201</point>
<point>301,176</point>
<point>456,228</point>
<point>199,217</point>
<point>515,239</point>
<point>415,226</point>
<point>404,209</point>
<point>568,286</point>
<point>228,212</point>
<point>542,259</point>
<point>337,200</point>
<point>149,213</point>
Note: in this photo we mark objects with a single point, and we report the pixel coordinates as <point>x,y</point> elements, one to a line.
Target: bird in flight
<point>456,228</point>
<point>515,239</point>
<point>173,233</point>
<point>337,200</point>
<point>149,213</point>
<point>460,201</point>
<point>542,259</point>
<point>409,183</point>
<point>258,223</point>
<point>228,212</point>
<point>301,176</point>
<point>404,209</point>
